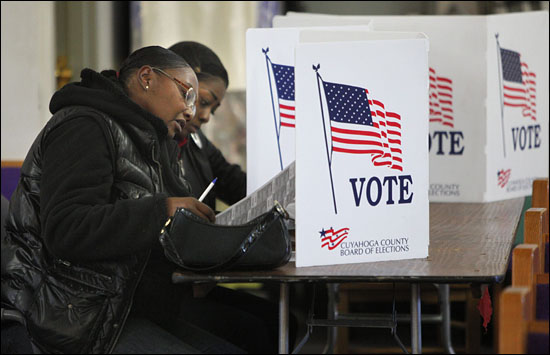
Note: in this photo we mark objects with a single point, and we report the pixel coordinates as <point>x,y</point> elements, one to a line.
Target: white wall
<point>220,25</point>
<point>86,35</point>
<point>104,36</point>
<point>28,73</point>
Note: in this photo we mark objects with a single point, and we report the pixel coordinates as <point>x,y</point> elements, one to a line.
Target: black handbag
<point>200,246</point>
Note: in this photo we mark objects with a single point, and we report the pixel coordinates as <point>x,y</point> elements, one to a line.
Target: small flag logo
<point>503,177</point>
<point>331,238</point>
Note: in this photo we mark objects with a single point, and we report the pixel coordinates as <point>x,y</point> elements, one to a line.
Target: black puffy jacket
<point>85,216</point>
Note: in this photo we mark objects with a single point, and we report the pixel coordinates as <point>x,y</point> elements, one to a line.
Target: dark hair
<point>154,56</point>
<point>202,59</point>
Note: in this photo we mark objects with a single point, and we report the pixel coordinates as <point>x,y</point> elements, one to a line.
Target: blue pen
<point>207,190</point>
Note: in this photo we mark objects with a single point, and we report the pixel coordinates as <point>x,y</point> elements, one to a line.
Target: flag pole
<point>316,68</point>
<point>499,58</point>
<point>277,128</point>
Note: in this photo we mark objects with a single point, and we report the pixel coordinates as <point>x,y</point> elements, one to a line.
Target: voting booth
<point>355,125</point>
<point>488,99</point>
<point>270,101</point>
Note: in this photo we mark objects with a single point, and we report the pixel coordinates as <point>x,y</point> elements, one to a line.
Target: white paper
<point>281,189</point>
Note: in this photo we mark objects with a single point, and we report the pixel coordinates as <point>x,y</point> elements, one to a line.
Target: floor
<point>375,340</point>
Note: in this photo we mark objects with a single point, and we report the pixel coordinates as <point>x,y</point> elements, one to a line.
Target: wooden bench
<point>525,273</point>
<point>536,223</point>
<point>536,232</point>
<point>519,332</point>
<point>540,197</point>
<point>523,306</point>
<point>532,270</point>
<point>540,194</point>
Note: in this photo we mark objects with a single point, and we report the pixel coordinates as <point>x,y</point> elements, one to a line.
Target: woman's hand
<point>192,204</point>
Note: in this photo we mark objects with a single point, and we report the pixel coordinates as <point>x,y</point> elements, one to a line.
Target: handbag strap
<point>254,235</point>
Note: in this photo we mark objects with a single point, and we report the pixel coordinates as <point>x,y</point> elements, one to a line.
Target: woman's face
<point>211,93</point>
<point>166,98</point>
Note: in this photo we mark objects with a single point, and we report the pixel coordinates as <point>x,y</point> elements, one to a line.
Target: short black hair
<point>202,60</point>
<point>154,56</point>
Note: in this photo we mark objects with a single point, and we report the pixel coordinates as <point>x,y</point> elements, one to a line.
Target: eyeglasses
<point>189,95</point>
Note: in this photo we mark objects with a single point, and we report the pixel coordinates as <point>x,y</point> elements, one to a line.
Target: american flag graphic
<point>519,83</point>
<point>441,99</point>
<point>331,238</point>
<point>503,177</point>
<point>284,81</point>
<point>361,125</point>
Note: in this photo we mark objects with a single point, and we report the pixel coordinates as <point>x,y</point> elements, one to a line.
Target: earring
<point>146,87</point>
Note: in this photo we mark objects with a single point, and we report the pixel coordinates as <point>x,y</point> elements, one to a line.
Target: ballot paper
<point>281,188</point>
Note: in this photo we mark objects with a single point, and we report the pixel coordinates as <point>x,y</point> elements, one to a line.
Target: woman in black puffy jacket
<point>81,258</point>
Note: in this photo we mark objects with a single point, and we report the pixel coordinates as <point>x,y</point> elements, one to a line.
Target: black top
<point>202,162</point>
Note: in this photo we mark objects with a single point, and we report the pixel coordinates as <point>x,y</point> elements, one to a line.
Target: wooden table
<point>469,242</point>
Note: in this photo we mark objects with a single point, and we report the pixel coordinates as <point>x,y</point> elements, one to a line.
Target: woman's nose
<point>204,118</point>
<point>204,115</point>
<point>188,114</point>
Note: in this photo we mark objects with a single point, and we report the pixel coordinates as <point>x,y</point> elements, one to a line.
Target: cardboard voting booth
<point>360,123</point>
<point>361,152</point>
<point>488,113</point>
<point>270,102</point>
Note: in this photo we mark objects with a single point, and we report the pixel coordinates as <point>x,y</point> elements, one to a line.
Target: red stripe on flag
<point>351,131</point>
<point>355,141</point>
<point>287,116</point>
<point>287,107</point>
<point>351,151</point>
<point>514,89</point>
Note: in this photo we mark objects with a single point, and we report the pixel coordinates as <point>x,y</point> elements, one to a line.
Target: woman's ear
<point>144,76</point>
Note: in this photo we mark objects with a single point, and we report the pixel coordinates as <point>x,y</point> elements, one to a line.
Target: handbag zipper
<point>281,210</point>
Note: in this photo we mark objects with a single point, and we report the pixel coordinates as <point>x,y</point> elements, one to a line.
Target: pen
<point>207,190</point>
